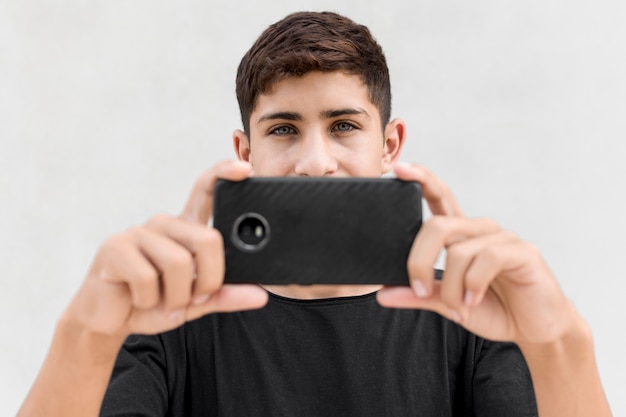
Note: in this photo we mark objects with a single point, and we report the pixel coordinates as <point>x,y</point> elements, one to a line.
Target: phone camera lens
<point>250,232</point>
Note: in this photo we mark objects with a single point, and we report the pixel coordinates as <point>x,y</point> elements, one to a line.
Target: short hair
<point>304,42</point>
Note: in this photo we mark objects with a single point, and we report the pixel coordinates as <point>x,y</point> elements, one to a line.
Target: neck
<point>312,292</point>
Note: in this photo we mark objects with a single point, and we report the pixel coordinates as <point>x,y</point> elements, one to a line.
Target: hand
<point>494,284</point>
<point>170,270</point>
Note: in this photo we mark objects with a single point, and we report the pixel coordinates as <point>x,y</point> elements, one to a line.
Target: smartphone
<point>312,230</point>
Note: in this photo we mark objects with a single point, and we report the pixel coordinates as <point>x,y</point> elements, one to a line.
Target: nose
<point>316,157</point>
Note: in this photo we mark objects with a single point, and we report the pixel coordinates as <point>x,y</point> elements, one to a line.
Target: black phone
<point>312,230</point>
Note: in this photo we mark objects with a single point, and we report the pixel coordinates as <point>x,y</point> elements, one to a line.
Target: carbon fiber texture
<point>321,230</point>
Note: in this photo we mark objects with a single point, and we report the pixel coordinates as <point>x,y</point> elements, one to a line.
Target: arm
<point>499,287</point>
<point>75,373</point>
<point>565,374</point>
<point>151,279</point>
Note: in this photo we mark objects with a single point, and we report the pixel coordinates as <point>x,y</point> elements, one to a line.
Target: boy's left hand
<point>494,284</point>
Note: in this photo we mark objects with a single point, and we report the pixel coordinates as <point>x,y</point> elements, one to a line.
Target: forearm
<point>75,373</point>
<point>565,374</point>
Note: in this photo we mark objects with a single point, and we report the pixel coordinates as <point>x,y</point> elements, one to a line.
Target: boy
<point>315,98</point>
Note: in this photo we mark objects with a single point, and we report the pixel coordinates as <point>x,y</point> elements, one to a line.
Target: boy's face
<point>321,124</point>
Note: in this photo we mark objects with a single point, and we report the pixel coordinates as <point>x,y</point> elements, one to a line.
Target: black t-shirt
<point>332,357</point>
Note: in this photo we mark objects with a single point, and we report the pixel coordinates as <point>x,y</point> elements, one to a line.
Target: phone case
<point>317,230</point>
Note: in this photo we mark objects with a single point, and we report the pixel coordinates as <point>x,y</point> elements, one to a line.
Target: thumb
<point>199,206</point>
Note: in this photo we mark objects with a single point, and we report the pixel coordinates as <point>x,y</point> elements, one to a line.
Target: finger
<point>229,298</point>
<point>437,194</point>
<point>403,297</point>
<point>174,263</point>
<point>508,257</point>
<point>485,321</point>
<point>452,287</point>
<point>211,265</point>
<point>205,245</point>
<point>459,289</point>
<point>199,206</point>
<point>120,261</point>
<point>436,234</point>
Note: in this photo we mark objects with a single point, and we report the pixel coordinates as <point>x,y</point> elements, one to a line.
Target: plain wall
<point>110,109</point>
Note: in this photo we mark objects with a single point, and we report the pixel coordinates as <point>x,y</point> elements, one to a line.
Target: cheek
<point>270,162</point>
<point>368,149</point>
<point>365,161</point>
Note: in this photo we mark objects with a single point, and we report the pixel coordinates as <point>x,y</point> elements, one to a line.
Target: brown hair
<point>312,41</point>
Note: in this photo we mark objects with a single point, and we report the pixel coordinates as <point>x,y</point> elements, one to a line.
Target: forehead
<point>315,91</point>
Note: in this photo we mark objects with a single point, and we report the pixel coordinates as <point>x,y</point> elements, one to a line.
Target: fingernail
<point>468,299</point>
<point>177,315</point>
<point>455,316</point>
<point>241,164</point>
<point>201,299</point>
<point>419,289</point>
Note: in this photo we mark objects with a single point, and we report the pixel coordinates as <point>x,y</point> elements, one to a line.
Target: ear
<point>395,134</point>
<point>242,145</point>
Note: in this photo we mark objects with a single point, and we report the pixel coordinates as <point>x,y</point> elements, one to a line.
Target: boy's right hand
<point>157,276</point>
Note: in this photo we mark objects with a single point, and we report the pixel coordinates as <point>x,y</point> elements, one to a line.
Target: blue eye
<point>283,130</point>
<point>343,127</point>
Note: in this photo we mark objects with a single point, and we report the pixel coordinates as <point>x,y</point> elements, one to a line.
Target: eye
<point>343,127</point>
<point>282,130</point>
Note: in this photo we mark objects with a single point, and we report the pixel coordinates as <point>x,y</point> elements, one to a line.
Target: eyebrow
<point>325,114</point>
<point>283,115</point>
<point>329,114</point>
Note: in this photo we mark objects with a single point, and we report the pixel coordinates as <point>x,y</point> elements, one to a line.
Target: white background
<point>110,109</point>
